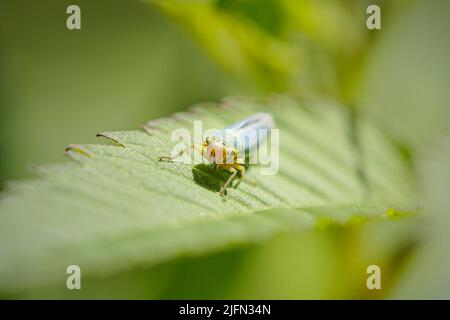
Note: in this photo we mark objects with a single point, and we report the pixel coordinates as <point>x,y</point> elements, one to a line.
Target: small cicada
<point>231,148</point>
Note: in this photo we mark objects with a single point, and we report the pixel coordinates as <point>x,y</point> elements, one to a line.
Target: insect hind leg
<point>235,169</point>
<point>230,179</point>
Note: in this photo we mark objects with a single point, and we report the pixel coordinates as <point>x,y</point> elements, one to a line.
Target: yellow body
<point>222,156</point>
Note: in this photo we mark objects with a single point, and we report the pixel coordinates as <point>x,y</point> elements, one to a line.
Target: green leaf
<point>283,45</point>
<point>427,274</point>
<point>118,207</point>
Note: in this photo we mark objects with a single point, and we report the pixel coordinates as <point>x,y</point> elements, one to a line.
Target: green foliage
<point>405,88</point>
<point>144,229</point>
<point>427,274</point>
<point>58,86</point>
<point>280,45</point>
<point>118,207</point>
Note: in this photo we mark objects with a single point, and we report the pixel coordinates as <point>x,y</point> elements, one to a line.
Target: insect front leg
<point>231,178</point>
<point>171,158</point>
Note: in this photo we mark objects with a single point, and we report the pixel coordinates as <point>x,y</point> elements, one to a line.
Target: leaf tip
<point>76,148</point>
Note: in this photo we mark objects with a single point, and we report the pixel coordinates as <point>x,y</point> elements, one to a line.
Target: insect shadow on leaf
<point>211,177</point>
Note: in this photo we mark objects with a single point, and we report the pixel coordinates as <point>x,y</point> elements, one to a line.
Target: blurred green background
<point>127,65</point>
<point>137,60</point>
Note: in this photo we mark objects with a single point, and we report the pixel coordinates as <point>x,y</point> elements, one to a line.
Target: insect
<point>230,148</point>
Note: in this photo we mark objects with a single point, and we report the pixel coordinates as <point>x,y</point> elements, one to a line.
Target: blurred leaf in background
<point>426,275</point>
<point>398,75</point>
<point>406,86</point>
<point>126,65</point>
<point>312,47</point>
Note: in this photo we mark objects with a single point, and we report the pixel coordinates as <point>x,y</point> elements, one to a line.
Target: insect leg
<point>224,187</point>
<point>171,158</point>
